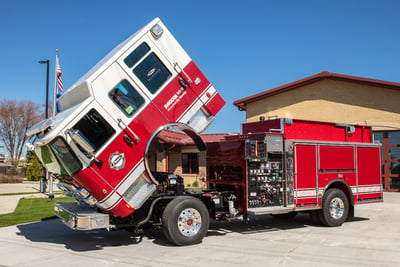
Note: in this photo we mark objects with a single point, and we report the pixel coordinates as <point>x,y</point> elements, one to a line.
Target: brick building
<point>338,98</point>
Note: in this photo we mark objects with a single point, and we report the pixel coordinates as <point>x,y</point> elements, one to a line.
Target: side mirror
<point>81,140</point>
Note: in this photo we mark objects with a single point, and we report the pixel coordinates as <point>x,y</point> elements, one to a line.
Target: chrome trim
<point>193,134</point>
<point>79,217</point>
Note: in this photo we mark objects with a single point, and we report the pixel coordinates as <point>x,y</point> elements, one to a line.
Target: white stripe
<point>306,193</point>
<point>369,189</point>
<point>109,202</point>
<point>123,186</point>
<point>114,197</point>
<point>211,91</point>
<point>196,105</point>
<point>188,114</point>
<point>360,189</point>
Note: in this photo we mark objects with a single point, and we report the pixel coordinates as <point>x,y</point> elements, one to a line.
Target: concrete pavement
<point>25,187</point>
<point>372,238</point>
<point>9,203</point>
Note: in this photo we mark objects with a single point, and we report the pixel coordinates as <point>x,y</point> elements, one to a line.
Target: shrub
<point>34,170</point>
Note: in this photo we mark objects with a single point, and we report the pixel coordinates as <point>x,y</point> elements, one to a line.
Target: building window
<point>390,141</point>
<point>190,163</point>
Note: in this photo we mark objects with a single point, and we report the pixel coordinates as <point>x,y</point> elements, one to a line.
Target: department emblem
<point>117,161</point>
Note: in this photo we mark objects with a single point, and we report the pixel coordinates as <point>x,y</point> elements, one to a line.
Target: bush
<point>34,170</point>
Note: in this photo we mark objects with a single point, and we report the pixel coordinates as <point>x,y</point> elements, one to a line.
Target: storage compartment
<point>81,217</point>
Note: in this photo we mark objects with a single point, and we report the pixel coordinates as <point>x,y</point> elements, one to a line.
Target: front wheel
<point>335,208</point>
<point>185,221</point>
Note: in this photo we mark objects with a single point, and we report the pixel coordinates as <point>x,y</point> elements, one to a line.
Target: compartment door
<point>306,185</point>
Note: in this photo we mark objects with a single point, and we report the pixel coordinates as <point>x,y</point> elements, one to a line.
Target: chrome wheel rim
<point>336,208</point>
<point>189,222</point>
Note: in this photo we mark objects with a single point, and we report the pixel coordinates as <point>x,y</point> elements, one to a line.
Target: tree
<point>34,170</point>
<point>16,117</point>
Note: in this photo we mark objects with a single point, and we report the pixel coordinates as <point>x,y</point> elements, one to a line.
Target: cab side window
<point>136,55</point>
<point>126,98</point>
<point>95,129</point>
<point>148,67</point>
<point>152,72</point>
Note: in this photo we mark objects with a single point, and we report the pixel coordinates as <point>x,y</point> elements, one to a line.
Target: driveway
<point>372,238</point>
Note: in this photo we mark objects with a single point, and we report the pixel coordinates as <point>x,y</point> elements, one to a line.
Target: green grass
<point>32,210</point>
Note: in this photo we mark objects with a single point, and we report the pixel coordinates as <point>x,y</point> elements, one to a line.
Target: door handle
<point>179,70</point>
<point>135,138</point>
<point>128,140</point>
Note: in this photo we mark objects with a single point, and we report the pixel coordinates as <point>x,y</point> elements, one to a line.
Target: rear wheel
<point>315,216</point>
<point>185,221</point>
<point>335,208</point>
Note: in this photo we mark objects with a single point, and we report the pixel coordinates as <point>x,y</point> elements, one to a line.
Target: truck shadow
<point>259,224</point>
<point>266,223</point>
<point>55,232</point>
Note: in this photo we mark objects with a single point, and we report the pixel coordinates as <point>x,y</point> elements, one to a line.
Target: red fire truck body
<point>97,147</point>
<point>286,165</point>
<point>97,144</point>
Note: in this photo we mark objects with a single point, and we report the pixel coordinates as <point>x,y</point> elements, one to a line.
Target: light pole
<point>47,86</point>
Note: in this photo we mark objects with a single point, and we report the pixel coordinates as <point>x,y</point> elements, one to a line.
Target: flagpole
<point>51,194</point>
<point>55,85</point>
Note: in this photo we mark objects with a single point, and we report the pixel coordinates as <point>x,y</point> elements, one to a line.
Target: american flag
<point>58,86</point>
<point>59,80</point>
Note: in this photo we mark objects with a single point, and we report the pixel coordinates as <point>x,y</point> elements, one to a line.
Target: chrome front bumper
<point>81,217</point>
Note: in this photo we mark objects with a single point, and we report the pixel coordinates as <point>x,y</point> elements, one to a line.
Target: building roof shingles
<point>174,137</point>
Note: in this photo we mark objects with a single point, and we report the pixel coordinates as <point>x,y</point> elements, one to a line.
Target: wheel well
<point>180,127</point>
<point>347,190</point>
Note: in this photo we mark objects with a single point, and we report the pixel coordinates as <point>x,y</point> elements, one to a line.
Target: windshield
<point>58,158</point>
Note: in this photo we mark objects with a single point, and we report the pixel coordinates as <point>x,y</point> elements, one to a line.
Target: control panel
<point>265,184</point>
<point>265,181</point>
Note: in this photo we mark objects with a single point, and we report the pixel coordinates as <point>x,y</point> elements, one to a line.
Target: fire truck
<point>283,166</point>
<point>97,147</point>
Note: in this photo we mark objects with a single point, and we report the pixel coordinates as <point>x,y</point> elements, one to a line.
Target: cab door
<point>157,76</point>
<point>127,105</point>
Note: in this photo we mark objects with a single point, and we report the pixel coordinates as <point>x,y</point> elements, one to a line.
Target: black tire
<point>335,208</point>
<point>315,216</point>
<point>185,221</point>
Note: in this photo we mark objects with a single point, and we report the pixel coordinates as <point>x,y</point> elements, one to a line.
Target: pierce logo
<point>151,72</point>
<point>117,161</point>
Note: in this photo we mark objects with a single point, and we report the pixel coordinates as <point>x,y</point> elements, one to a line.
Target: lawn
<point>32,210</point>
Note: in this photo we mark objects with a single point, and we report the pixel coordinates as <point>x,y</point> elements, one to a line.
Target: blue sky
<point>243,47</point>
